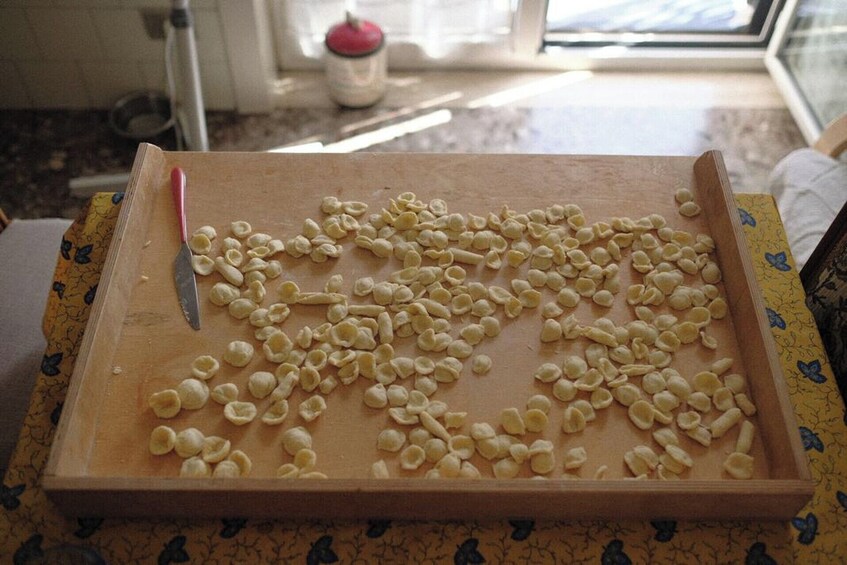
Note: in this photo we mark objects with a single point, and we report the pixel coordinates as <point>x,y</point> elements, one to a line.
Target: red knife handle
<point>178,183</point>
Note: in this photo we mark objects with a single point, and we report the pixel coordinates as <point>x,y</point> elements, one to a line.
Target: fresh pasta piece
<point>573,420</point>
<point>188,442</point>
<point>195,467</point>
<point>739,465</point>
<point>276,412</point>
<point>725,422</point>
<point>238,353</point>
<point>535,420</point>
<point>165,403</point>
<point>226,470</point>
<point>379,470</point>
<point>642,414</point>
<point>215,449</point>
<point>391,440</point>
<point>162,440</point>
<point>261,384</point>
<point>539,402</point>
<point>506,469</point>
<point>745,437</point>
<point>376,396</point>
<point>512,421</point>
<point>312,407</point>
<point>240,413</point>
<point>575,458</point>
<point>287,471</point>
<point>203,265</point>
<point>225,393</point>
<point>193,394</point>
<point>200,244</point>
<point>412,457</point>
<point>205,367</point>
<point>295,439</point>
<point>245,465</point>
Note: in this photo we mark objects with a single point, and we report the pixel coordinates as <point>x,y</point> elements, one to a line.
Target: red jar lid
<point>354,37</point>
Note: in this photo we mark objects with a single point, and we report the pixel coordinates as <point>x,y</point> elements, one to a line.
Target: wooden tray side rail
<point>761,361</point>
<point>75,435</point>
<point>425,499</point>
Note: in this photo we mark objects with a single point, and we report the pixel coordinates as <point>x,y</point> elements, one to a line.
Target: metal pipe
<point>196,137</point>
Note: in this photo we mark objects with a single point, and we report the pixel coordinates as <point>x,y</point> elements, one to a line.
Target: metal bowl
<point>141,115</point>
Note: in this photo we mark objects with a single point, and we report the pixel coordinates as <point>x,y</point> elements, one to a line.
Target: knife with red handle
<point>186,285</point>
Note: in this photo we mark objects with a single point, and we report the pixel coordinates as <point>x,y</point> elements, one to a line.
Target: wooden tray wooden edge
<point>785,451</point>
<point>428,499</point>
<point>75,494</point>
<point>74,437</point>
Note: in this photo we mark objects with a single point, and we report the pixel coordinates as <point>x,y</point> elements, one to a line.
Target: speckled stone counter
<point>40,151</point>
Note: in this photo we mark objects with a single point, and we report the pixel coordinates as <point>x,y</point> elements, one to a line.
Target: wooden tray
<point>99,464</point>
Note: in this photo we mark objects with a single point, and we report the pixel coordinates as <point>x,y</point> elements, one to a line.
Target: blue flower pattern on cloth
<point>468,553</point>
<point>774,319</point>
<point>665,530</point>
<point>65,249</point>
<point>174,551</point>
<point>82,255</point>
<point>232,526</point>
<point>9,496</point>
<point>87,527</point>
<point>812,371</point>
<point>758,555</point>
<point>321,552</point>
<point>810,440</point>
<point>377,528</point>
<point>778,261</point>
<point>50,364</point>
<point>89,296</point>
<point>522,529</point>
<point>746,218</point>
<point>613,554</point>
<point>808,528</point>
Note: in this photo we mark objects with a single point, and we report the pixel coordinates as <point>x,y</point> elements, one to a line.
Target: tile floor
<point>740,114</point>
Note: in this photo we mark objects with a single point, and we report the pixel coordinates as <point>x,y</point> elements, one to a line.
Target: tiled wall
<point>88,53</point>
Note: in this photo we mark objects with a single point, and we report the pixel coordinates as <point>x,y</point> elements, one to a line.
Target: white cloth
<point>28,252</point>
<point>810,189</point>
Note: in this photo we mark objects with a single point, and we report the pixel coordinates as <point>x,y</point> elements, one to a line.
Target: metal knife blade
<point>186,285</point>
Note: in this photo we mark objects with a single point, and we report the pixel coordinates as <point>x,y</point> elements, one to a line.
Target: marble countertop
<point>41,151</point>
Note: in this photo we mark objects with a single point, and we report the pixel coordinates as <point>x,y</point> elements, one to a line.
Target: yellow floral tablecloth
<point>31,530</point>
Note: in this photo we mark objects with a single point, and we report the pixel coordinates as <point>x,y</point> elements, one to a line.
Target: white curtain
<point>418,31</point>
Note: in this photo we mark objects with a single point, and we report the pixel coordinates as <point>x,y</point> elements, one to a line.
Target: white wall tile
<point>154,75</point>
<point>217,86</point>
<point>124,37</point>
<point>16,39</point>
<point>209,34</point>
<point>54,84</point>
<point>65,34</point>
<point>13,94</point>
<point>107,82</point>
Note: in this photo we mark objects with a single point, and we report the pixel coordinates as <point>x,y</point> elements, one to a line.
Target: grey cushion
<point>28,252</point>
<point>810,188</point>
